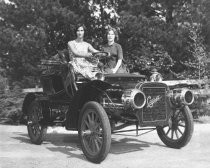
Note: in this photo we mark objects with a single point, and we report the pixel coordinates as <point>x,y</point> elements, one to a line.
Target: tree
<point>97,15</point>
<point>31,30</point>
<point>158,33</point>
<point>167,24</point>
<point>142,41</point>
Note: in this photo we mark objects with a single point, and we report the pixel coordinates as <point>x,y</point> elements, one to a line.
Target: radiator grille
<point>155,108</point>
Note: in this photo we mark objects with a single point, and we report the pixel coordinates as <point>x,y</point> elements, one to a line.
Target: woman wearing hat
<point>156,76</point>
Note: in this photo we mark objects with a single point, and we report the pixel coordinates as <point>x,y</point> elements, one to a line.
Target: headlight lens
<point>182,96</point>
<point>134,98</point>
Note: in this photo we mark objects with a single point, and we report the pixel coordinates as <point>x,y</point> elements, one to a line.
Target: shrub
<point>10,105</point>
<point>200,107</point>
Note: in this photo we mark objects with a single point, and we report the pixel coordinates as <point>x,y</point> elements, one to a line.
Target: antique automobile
<point>101,107</point>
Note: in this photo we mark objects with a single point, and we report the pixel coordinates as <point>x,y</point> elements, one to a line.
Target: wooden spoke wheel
<point>94,132</point>
<point>36,131</point>
<point>179,130</point>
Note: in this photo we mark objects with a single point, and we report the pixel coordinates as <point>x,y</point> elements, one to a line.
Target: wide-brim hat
<point>154,70</point>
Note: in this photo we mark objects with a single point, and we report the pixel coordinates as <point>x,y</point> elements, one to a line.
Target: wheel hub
<point>173,123</point>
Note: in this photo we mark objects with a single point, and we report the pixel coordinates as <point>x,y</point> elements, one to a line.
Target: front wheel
<point>94,132</point>
<point>179,130</point>
<point>36,131</point>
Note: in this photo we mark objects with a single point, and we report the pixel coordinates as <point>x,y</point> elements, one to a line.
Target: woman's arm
<point>77,53</point>
<point>119,62</point>
<point>91,49</point>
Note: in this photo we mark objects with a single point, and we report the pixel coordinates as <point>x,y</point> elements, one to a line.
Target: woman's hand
<point>113,70</point>
<point>119,62</point>
<point>89,55</point>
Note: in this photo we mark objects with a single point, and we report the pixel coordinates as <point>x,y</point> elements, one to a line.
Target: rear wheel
<point>179,130</point>
<point>36,131</point>
<point>94,132</point>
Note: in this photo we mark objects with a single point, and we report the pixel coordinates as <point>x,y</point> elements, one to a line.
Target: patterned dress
<point>82,65</point>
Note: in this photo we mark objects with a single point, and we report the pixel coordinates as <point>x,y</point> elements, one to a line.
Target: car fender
<point>28,100</point>
<point>89,92</point>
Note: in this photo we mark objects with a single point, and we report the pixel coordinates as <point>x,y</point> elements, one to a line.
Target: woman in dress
<point>79,52</point>
<point>114,63</point>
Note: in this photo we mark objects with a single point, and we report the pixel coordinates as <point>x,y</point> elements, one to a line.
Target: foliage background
<point>173,36</point>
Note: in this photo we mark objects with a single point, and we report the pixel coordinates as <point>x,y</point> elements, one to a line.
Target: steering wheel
<point>97,57</point>
<point>101,55</point>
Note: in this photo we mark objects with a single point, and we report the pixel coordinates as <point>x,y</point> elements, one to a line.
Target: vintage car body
<point>97,108</point>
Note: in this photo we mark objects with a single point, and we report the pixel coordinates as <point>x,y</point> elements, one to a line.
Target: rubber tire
<point>36,139</point>
<point>101,155</point>
<point>182,141</point>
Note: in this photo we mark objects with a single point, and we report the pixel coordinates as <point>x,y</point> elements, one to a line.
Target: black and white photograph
<point>104,83</point>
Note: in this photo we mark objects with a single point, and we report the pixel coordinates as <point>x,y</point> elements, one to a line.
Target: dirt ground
<point>61,149</point>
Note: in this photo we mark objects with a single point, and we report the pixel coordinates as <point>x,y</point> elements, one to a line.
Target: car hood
<point>126,81</point>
